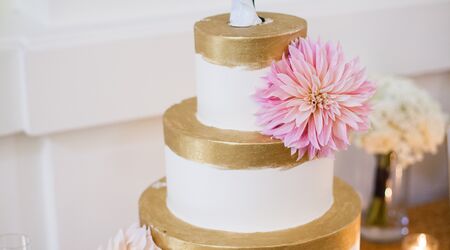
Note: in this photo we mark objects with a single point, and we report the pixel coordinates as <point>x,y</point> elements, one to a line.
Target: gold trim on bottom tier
<point>336,229</point>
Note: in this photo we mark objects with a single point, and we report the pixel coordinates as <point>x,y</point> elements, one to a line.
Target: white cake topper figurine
<point>243,14</point>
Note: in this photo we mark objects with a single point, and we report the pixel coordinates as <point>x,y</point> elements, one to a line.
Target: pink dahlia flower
<point>313,98</point>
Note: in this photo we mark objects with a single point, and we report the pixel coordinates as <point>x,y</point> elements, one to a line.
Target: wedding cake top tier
<point>252,47</point>
<point>231,62</point>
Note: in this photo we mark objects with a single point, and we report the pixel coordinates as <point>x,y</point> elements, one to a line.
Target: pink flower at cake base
<point>134,238</point>
<point>313,99</point>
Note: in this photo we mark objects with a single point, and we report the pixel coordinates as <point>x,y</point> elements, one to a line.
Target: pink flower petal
<point>313,98</point>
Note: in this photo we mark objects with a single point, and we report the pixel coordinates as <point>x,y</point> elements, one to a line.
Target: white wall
<point>74,190</point>
<point>100,174</point>
<point>81,97</point>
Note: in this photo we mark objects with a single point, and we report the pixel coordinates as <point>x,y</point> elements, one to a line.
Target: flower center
<point>318,100</point>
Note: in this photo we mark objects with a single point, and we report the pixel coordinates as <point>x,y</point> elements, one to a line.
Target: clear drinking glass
<point>14,242</point>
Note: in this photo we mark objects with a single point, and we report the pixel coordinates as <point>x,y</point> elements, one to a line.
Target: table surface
<point>432,218</point>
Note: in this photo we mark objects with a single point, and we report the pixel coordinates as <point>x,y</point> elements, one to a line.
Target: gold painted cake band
<point>338,228</point>
<point>230,149</point>
<point>252,47</point>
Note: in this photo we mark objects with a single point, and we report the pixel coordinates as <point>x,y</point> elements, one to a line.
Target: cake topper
<point>243,14</point>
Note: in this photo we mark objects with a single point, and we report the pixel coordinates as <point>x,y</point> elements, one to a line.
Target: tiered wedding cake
<point>229,186</point>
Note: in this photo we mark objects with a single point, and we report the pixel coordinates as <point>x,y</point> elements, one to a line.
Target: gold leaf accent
<point>338,228</point>
<point>231,149</point>
<point>252,47</point>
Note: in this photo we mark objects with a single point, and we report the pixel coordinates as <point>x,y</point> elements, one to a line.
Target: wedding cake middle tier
<point>239,181</point>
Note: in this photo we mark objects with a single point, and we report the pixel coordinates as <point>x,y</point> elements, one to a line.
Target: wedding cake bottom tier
<point>338,228</point>
<point>239,200</point>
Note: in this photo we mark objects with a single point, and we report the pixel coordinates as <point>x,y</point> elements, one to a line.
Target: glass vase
<point>385,218</point>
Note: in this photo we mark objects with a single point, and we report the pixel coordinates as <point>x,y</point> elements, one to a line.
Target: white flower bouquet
<point>405,120</point>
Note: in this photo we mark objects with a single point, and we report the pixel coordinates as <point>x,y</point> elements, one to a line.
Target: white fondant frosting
<point>250,200</point>
<point>224,95</point>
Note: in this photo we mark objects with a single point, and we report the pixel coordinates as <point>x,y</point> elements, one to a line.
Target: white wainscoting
<point>81,97</point>
<point>75,190</point>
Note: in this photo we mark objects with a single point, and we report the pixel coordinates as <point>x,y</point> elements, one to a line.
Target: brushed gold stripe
<point>252,47</point>
<point>338,228</point>
<point>231,149</point>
